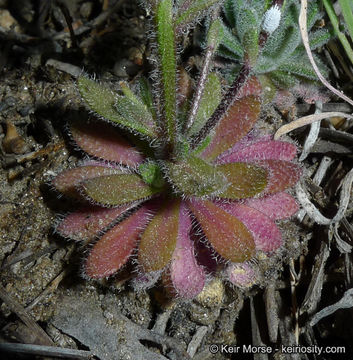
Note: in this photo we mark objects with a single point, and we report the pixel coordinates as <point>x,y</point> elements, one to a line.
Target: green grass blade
<point>347,11</point>
<point>335,23</point>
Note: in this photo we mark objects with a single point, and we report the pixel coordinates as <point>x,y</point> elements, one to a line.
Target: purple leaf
<point>114,248</point>
<point>227,235</point>
<point>103,141</point>
<point>281,175</point>
<point>266,234</point>
<point>235,124</point>
<point>261,150</point>
<point>85,223</point>
<point>188,277</point>
<point>277,206</point>
<point>68,180</point>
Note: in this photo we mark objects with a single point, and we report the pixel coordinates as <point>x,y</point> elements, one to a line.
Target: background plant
<point>265,35</point>
<point>347,12</point>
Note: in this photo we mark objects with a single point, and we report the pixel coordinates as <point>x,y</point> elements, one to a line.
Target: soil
<point>45,300</point>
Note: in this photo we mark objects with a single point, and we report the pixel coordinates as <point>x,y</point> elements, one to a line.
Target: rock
<point>8,22</point>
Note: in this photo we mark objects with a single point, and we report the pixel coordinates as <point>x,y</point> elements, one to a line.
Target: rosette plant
<point>178,182</point>
<point>266,35</point>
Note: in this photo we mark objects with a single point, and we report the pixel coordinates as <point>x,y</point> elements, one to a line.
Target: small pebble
<point>125,68</point>
<point>86,9</point>
<point>25,110</point>
<point>8,22</point>
<point>7,103</point>
<point>13,143</point>
<point>212,294</point>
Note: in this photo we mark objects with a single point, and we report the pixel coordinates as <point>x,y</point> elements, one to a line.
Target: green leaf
<point>251,46</point>
<point>296,68</point>
<point>152,174</point>
<point>230,42</point>
<point>245,180</point>
<point>226,53</point>
<point>247,21</point>
<point>195,177</point>
<point>269,89</point>
<point>318,38</point>
<point>159,238</point>
<point>146,95</point>
<point>313,14</point>
<point>282,79</point>
<point>214,34</point>
<point>228,9</point>
<point>290,13</point>
<point>212,96</point>
<point>347,11</point>
<point>202,146</point>
<point>103,101</point>
<point>115,190</point>
<point>68,180</point>
<point>281,44</point>
<point>192,12</point>
<point>136,111</point>
<point>167,53</point>
<point>248,31</point>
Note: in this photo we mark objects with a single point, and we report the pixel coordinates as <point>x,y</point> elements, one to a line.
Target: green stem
<point>347,11</point>
<point>212,45</point>
<point>167,54</point>
<point>222,108</point>
<point>335,23</point>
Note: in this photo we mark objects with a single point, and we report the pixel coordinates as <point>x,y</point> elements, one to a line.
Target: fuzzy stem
<point>211,48</point>
<point>184,6</point>
<point>167,53</point>
<point>222,108</point>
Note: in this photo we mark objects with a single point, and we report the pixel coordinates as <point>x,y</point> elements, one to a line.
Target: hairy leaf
<point>227,235</point>
<point>283,79</point>
<point>159,238</point>
<point>245,180</point>
<point>191,10</point>
<point>230,42</point>
<point>114,248</point>
<point>260,150</point>
<point>195,177</point>
<point>68,180</point>
<point>115,190</point>
<point>277,206</point>
<point>266,234</point>
<point>236,123</point>
<point>282,175</point>
<point>146,95</point>
<point>133,109</point>
<point>102,101</point>
<point>104,142</point>
<point>86,223</point>
<point>187,276</point>
<point>211,98</point>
